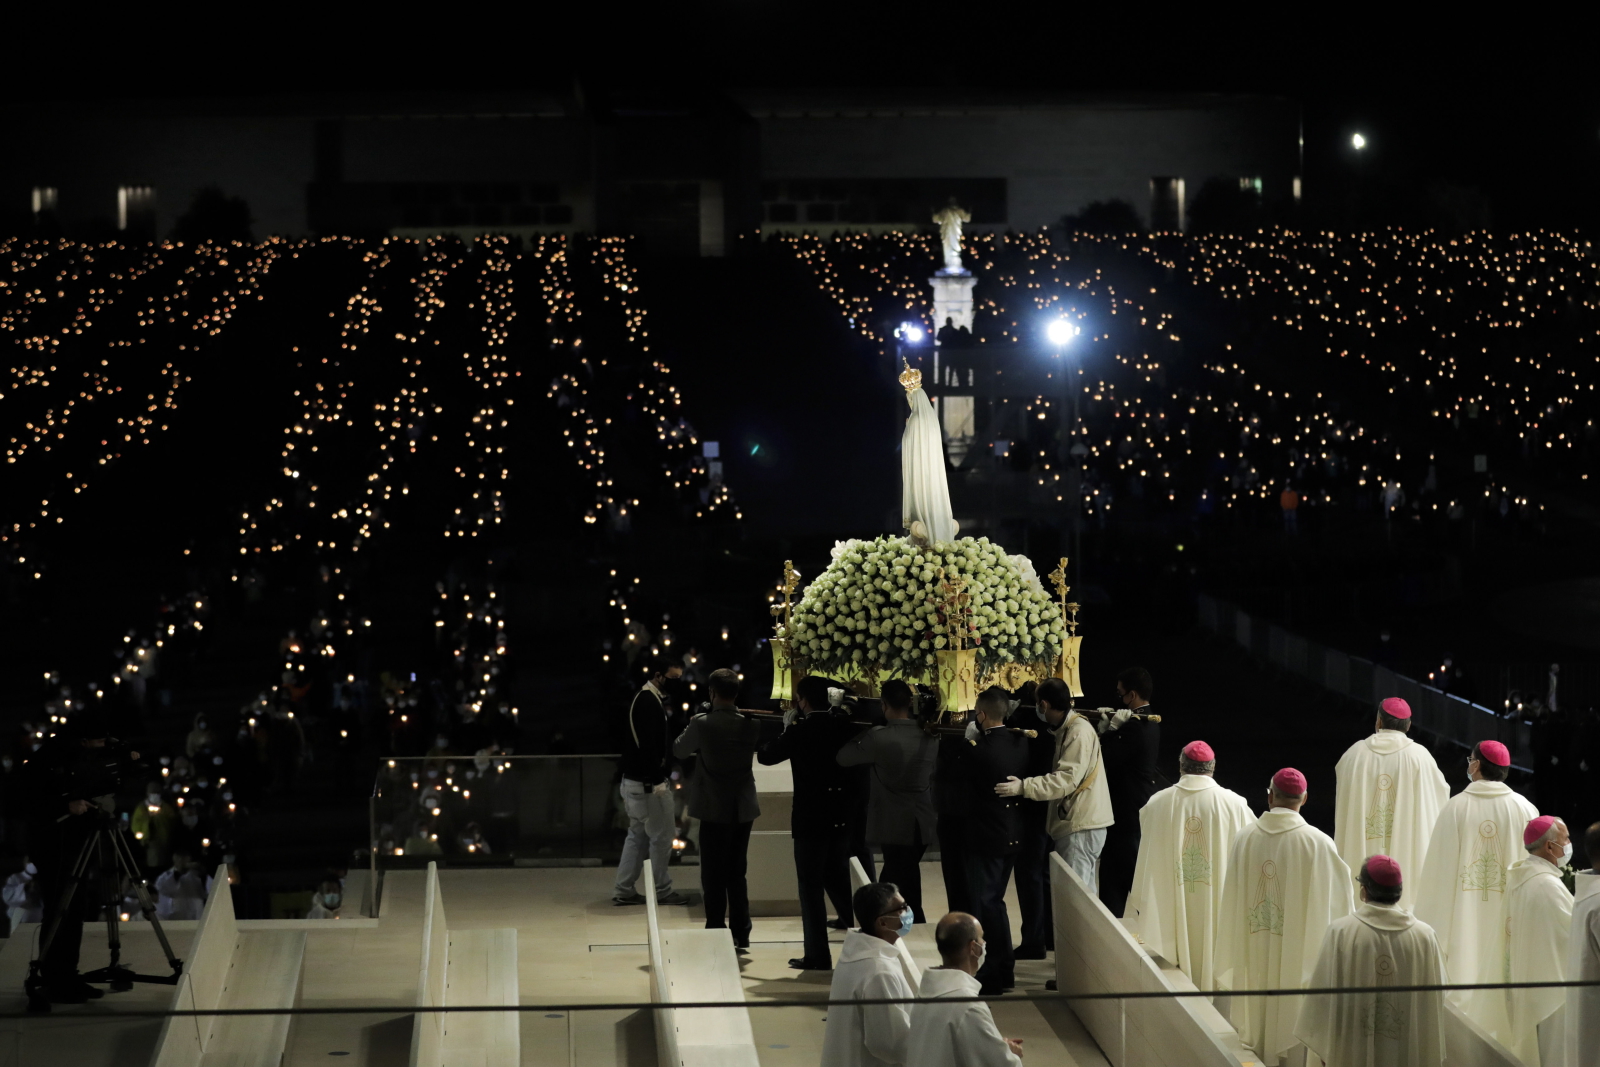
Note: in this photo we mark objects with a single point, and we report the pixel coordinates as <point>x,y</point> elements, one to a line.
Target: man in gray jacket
<point>722,795</point>
<point>1080,802</point>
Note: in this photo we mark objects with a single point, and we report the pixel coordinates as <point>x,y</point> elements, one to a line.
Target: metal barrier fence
<point>1447,717</point>
<point>466,811</point>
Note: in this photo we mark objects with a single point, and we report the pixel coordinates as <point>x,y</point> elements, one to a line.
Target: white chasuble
<point>1186,831</point>
<point>1461,893</point>
<point>1538,918</point>
<point>1390,793</point>
<point>1284,885</point>
<point>1380,945</point>
<point>1583,964</point>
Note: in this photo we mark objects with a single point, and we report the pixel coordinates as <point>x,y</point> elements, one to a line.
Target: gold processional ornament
<point>1068,667</point>
<point>784,674</point>
<point>911,378</point>
<point>955,666</point>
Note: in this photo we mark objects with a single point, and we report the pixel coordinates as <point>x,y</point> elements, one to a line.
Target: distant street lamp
<point>1358,142</point>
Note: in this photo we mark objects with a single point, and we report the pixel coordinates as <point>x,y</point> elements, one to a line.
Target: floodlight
<point>1060,332</point>
<point>911,333</point>
<point>1358,142</point>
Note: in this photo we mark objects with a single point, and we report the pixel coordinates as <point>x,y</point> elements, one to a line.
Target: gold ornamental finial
<point>910,378</point>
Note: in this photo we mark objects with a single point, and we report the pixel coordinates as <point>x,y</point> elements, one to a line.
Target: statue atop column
<point>949,221</point>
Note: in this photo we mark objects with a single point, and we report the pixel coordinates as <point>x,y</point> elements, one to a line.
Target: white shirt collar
<point>651,686</point>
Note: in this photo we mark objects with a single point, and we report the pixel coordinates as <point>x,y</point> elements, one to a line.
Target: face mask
<point>983,954</point>
<point>30,869</point>
<point>191,821</point>
<point>154,800</point>
<point>331,900</point>
<point>1566,856</point>
<point>905,921</point>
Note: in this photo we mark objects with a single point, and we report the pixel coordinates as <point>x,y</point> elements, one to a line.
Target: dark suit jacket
<point>1041,761</point>
<point>723,788</point>
<point>993,824</point>
<point>902,759</point>
<point>1130,767</point>
<point>823,790</point>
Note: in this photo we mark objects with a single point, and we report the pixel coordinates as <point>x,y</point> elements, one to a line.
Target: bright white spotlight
<point>1358,142</point>
<point>1060,331</point>
<point>911,333</point>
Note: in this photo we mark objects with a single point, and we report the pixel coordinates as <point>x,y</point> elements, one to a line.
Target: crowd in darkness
<point>360,611</point>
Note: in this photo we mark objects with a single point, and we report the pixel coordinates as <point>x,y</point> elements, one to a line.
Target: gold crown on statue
<point>910,378</point>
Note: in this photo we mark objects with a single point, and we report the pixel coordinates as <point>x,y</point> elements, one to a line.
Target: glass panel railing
<point>497,811</point>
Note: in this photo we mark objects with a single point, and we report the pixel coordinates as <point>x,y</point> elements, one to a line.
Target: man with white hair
<point>1390,793</point>
<point>1538,919</point>
<point>1461,893</point>
<point>1285,884</point>
<point>1381,944</point>
<point>1185,833</point>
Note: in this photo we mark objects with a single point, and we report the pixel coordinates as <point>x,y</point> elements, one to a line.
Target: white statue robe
<point>1186,832</point>
<point>1379,945</point>
<point>1284,885</point>
<point>1538,918</point>
<point>1390,793</point>
<point>925,489</point>
<point>1583,965</point>
<point>1461,893</point>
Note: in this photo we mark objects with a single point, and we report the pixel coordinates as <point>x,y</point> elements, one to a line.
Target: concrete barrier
<point>1094,954</point>
<point>465,967</point>
<point>693,965</point>
<point>233,968</point>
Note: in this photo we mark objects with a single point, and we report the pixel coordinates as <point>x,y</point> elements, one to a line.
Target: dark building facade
<point>689,174</point>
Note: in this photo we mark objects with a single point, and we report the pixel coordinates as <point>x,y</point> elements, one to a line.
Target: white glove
<point>659,787</point>
<point>972,730</point>
<point>1011,787</point>
<point>1111,722</point>
<point>790,716</point>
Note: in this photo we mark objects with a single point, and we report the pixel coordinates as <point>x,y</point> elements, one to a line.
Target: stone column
<point>952,299</point>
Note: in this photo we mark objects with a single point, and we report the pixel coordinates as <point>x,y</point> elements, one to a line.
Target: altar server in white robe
<point>1583,960</point>
<point>1285,884</point>
<point>947,1033</point>
<point>1461,893</point>
<point>1185,833</point>
<point>1381,944</point>
<point>1538,919</point>
<point>1390,793</point>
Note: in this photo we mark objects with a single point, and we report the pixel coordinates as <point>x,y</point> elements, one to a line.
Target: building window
<point>1166,204</point>
<point>1297,188</point>
<point>1250,185</point>
<point>136,209</point>
<point>44,199</point>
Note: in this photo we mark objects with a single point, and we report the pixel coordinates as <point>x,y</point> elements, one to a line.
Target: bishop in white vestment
<point>1284,885</point>
<point>1390,793</point>
<point>1538,919</point>
<point>1461,893</point>
<point>1382,944</point>
<point>1186,832</point>
<point>1583,959</point>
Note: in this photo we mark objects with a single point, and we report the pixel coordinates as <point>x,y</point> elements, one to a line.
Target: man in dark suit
<point>722,795</point>
<point>1128,746</point>
<point>993,830</point>
<point>1033,860</point>
<point>820,819</point>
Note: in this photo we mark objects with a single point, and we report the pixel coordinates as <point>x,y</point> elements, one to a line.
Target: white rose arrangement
<point>877,607</point>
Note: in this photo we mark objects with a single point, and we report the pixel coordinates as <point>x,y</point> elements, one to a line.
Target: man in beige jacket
<point>1080,802</point>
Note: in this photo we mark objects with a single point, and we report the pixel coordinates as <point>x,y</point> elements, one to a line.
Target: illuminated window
<point>44,198</point>
<point>1250,185</point>
<point>1297,189</point>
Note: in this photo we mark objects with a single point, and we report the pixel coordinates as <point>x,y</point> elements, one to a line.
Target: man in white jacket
<point>961,1033</point>
<point>869,969</point>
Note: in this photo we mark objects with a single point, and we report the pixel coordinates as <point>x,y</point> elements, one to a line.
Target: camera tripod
<point>106,844</point>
